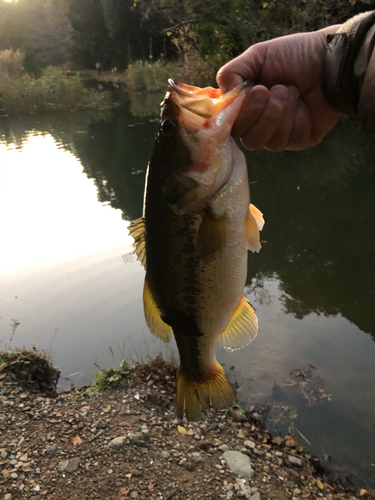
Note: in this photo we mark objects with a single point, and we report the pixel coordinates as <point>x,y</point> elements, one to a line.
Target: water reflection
<point>318,206</point>
<point>312,284</point>
<point>320,211</point>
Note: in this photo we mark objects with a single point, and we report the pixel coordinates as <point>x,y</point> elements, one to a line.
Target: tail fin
<point>194,397</point>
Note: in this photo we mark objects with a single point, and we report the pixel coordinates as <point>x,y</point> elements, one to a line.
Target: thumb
<point>227,79</point>
<point>247,66</point>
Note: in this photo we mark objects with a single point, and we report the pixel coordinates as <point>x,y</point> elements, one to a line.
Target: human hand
<point>286,108</point>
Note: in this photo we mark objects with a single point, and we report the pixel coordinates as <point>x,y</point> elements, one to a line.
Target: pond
<point>70,183</point>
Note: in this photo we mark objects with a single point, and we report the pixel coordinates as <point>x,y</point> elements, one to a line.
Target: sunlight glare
<point>49,211</point>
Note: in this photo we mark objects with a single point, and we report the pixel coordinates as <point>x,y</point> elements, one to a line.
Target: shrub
<point>191,68</point>
<point>30,367</point>
<point>54,90</point>
<point>143,76</point>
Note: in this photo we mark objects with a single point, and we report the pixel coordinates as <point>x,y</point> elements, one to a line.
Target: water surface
<point>70,183</point>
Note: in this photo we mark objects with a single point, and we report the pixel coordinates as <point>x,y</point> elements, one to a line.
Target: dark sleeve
<point>349,69</point>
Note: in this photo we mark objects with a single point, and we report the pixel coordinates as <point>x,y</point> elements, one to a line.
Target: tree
<point>90,41</point>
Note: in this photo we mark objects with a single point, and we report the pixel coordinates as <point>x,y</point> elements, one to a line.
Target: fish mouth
<point>205,102</point>
<point>174,86</point>
<point>190,91</point>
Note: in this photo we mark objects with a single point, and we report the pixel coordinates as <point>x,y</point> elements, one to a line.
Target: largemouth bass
<point>193,238</point>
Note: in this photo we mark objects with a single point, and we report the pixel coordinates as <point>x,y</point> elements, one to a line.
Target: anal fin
<point>152,315</point>
<point>194,397</point>
<point>137,229</point>
<point>242,328</point>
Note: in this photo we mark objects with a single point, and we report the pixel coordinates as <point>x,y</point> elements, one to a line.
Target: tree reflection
<point>320,212</point>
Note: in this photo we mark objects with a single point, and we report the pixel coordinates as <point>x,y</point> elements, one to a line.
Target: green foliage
<point>108,377</point>
<point>222,29</point>
<point>53,91</point>
<point>143,76</point>
<point>190,68</point>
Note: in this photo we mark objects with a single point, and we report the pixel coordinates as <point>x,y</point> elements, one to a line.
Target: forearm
<point>349,68</point>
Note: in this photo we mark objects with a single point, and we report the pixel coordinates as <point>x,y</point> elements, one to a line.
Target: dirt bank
<point>126,443</point>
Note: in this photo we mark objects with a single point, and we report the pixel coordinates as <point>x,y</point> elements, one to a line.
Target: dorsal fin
<point>242,328</point>
<point>152,315</point>
<point>137,229</point>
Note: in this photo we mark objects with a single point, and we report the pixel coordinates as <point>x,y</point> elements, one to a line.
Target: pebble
<point>239,463</point>
<point>256,496</point>
<point>189,466</point>
<point>196,457</point>
<point>296,491</point>
<point>117,442</point>
<point>63,465</point>
<point>73,464</point>
<point>204,445</point>
<point>51,450</point>
<point>8,496</point>
<point>249,444</point>
<point>134,494</point>
<point>182,462</point>
<point>165,454</point>
<point>295,461</point>
<point>247,452</point>
<point>224,447</point>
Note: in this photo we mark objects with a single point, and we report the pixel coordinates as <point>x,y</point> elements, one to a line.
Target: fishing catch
<point>193,238</point>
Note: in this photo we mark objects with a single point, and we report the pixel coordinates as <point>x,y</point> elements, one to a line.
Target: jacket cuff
<point>348,78</point>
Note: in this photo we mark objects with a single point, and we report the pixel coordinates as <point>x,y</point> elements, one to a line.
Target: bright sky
<point>49,211</point>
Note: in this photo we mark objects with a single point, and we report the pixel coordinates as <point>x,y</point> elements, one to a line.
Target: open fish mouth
<point>190,91</point>
<point>205,102</point>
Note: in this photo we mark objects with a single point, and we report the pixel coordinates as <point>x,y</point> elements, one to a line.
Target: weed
<point>108,377</point>
<point>14,324</point>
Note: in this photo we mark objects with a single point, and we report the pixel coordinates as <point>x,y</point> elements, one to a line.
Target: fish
<point>193,239</point>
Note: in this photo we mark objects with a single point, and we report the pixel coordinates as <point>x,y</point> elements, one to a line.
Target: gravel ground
<point>125,443</point>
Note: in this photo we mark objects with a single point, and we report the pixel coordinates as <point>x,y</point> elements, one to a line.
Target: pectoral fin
<point>137,230</point>
<point>242,329</point>
<point>258,216</point>
<point>252,233</point>
<point>152,315</point>
<point>212,236</point>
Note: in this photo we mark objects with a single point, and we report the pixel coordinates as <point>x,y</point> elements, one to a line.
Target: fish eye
<point>167,126</point>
